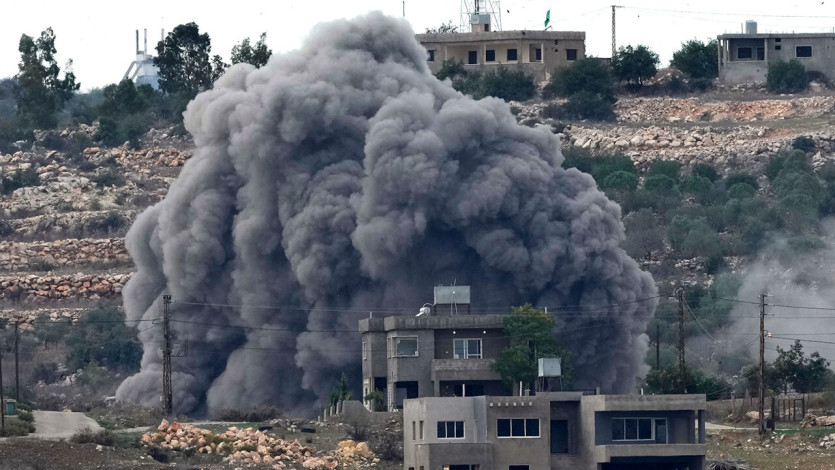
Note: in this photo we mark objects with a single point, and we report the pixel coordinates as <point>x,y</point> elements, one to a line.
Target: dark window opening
<point>571,54</point>
<point>760,53</point>
<point>559,437</point>
<point>450,429</point>
<point>517,427</point>
<point>778,39</point>
<point>803,51</point>
<point>487,27</point>
<point>511,54</point>
<point>431,55</point>
<point>660,431</point>
<point>472,57</point>
<point>778,47</point>
<point>539,54</point>
<point>503,428</point>
<point>519,467</point>
<point>744,53</point>
<point>491,55</point>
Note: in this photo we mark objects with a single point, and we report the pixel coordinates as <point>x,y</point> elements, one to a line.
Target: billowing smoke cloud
<point>343,178</point>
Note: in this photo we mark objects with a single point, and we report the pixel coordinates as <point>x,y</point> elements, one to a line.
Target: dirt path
<point>61,425</point>
<point>722,427</point>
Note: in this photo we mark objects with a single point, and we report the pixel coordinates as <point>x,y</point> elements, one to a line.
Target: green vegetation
<point>341,391</point>
<point>794,371</point>
<point>786,77</point>
<point>635,65</point>
<point>103,340</point>
<point>377,400</point>
<point>39,91</point>
<point>184,62</point>
<point>505,83</point>
<point>590,88</point>
<point>697,59</point>
<point>257,55</point>
<point>87,436</point>
<point>531,332</point>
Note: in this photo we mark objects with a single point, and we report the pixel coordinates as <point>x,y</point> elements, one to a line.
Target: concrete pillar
<point>701,426</point>
<point>437,388</point>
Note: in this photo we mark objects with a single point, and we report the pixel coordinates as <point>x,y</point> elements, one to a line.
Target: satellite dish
<point>423,311</point>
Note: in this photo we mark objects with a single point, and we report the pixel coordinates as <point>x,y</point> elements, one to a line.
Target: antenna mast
<point>472,10</point>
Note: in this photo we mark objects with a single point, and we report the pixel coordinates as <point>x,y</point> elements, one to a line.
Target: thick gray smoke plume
<point>344,177</point>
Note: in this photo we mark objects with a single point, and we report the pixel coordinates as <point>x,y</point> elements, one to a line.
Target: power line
<point>711,13</point>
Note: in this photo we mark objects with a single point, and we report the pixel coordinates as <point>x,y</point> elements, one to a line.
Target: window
<point>364,350</point>
<point>491,55</point>
<point>450,429</point>
<point>760,53</point>
<point>744,53</point>
<point>538,54</point>
<point>778,39</point>
<point>559,436</point>
<point>421,430</point>
<point>571,54</point>
<point>467,348</point>
<point>511,54</point>
<point>639,429</point>
<point>803,51</point>
<point>472,57</point>
<point>778,47</point>
<point>406,346</point>
<point>519,467</point>
<point>518,427</point>
<point>431,55</point>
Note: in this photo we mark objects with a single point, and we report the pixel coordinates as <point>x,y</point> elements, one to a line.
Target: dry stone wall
<point>62,287</point>
<point>20,256</point>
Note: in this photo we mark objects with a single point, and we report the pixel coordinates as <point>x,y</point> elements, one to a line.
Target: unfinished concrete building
<point>443,352</point>
<point>537,53</point>
<point>744,58</point>
<point>555,430</point>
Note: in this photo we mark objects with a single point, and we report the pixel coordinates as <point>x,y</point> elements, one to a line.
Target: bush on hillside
<point>698,60</point>
<point>635,65</point>
<point>803,143</point>
<point>786,77</point>
<point>669,168</point>
<point>590,88</point>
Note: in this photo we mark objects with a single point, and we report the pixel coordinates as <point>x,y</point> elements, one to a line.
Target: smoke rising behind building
<point>342,178</point>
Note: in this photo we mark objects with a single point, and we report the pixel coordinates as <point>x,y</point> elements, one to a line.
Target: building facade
<point>744,58</point>
<point>555,430</point>
<point>538,53</point>
<point>431,356</point>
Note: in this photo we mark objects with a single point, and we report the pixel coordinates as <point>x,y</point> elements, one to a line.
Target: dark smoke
<point>344,176</point>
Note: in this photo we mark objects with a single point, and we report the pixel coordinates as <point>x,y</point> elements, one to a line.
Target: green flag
<point>547,18</point>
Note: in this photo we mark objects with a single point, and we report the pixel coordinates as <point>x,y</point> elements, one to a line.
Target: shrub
<point>590,88</point>
<point>695,184</point>
<point>698,60</point>
<point>377,400</point>
<point>451,69</point>
<point>257,413</point>
<point>705,171</point>
<point>27,416</point>
<point>786,77</point>
<point>669,168</point>
<point>17,427</point>
<point>634,65</point>
<point>159,454</point>
<point>507,84</point>
<point>105,340</point>
<point>587,105</point>
<point>658,183</point>
<point>109,177</point>
<point>620,181</point>
<point>87,436</point>
<point>804,143</point>
<point>746,178</point>
<point>20,179</point>
<point>741,191</point>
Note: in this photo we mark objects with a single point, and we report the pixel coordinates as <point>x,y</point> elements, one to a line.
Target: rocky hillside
<point>65,210</point>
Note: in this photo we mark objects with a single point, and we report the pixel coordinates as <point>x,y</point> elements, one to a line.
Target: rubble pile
<point>249,447</point>
<point>58,287</point>
<point>61,253</point>
<point>828,441</point>
<point>811,421</point>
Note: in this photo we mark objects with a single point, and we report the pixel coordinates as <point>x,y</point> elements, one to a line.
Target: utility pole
<point>614,43</point>
<point>762,366</point>
<point>658,346</point>
<point>2,401</point>
<point>167,398</point>
<point>682,368</point>
<point>16,354</point>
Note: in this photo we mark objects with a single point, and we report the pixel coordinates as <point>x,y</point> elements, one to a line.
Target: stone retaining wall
<point>72,286</point>
<point>19,256</point>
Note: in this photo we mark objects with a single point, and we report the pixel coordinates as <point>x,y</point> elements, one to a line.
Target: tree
<point>184,62</point>
<point>669,168</point>
<point>104,338</point>
<point>531,333</point>
<point>589,87</point>
<point>39,91</point>
<point>444,28</point>
<point>642,234</point>
<point>697,59</point>
<point>794,370</point>
<point>247,54</point>
<point>786,77</point>
<point>634,65</point>
<point>341,391</point>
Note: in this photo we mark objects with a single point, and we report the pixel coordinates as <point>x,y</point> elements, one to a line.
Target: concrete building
<point>538,53</point>
<point>437,354</point>
<point>142,70</point>
<point>744,58</point>
<point>555,430</point>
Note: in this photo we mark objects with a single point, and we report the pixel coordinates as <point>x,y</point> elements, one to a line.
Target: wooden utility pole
<point>682,368</point>
<point>658,346</point>
<point>2,401</point>
<point>16,355</point>
<point>762,366</point>
<point>167,395</point>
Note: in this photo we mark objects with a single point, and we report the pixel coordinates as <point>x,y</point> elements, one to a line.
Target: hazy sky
<point>99,35</point>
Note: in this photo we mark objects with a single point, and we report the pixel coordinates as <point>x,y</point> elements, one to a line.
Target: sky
<point>99,36</point>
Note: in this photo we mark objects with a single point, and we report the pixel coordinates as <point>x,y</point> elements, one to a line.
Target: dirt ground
<point>782,450</point>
